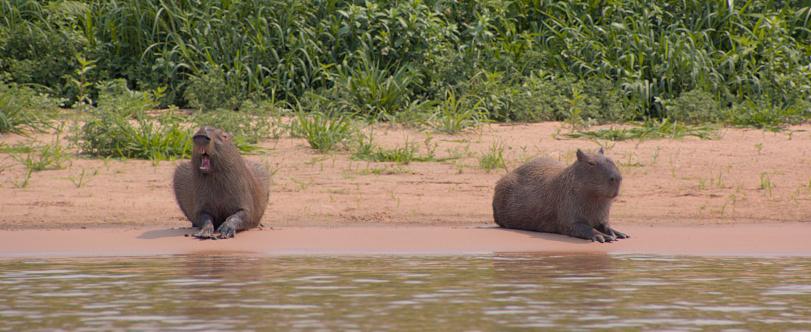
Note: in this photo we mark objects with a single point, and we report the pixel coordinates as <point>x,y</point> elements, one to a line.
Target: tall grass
<point>524,60</point>
<point>23,109</point>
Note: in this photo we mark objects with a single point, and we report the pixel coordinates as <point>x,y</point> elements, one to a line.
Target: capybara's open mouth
<point>205,163</point>
<point>201,144</point>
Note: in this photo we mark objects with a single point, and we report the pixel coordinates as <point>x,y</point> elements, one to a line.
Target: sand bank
<point>744,176</point>
<point>787,239</point>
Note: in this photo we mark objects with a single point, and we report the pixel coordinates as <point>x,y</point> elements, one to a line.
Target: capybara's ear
<point>601,150</point>
<point>226,136</point>
<point>581,156</point>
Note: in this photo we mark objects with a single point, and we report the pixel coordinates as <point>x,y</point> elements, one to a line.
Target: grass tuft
<point>493,158</point>
<point>322,131</point>
<point>651,129</point>
<point>454,115</point>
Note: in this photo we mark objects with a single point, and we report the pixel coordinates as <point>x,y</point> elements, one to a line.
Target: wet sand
<point>783,239</point>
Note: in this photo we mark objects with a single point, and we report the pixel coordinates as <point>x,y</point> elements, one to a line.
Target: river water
<point>440,293</point>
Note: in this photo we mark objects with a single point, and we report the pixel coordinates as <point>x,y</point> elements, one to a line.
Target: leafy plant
<point>245,127</point>
<point>110,134</point>
<point>651,129</point>
<point>493,158</point>
<point>453,115</point>
<point>213,90</point>
<point>83,177</point>
<point>44,157</point>
<point>693,107</point>
<point>323,132</point>
<point>22,109</point>
<point>764,114</point>
<point>114,96</point>
<point>80,82</point>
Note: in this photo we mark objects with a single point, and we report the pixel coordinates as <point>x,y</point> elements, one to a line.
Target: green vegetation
<point>41,158</point>
<point>46,157</point>
<point>247,127</point>
<point>675,68</point>
<point>81,179</point>
<point>386,170</point>
<point>122,127</point>
<point>493,158</point>
<point>17,148</point>
<point>22,108</point>
<point>365,149</point>
<point>323,132</point>
<point>744,63</point>
<point>402,155</point>
<point>454,115</point>
<point>109,134</point>
<point>649,130</point>
<point>766,183</point>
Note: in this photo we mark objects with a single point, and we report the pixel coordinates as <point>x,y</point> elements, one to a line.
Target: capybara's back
<point>524,197</point>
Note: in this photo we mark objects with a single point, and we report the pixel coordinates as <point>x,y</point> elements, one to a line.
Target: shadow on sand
<point>162,233</point>
<point>548,236</point>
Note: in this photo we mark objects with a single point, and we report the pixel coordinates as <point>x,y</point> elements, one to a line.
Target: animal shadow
<point>162,233</point>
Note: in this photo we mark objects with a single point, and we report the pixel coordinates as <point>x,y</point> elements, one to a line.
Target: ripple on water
<point>267,306</point>
<point>407,293</point>
<point>789,290</point>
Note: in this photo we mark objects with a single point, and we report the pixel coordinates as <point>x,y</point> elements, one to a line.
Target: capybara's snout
<point>202,136</point>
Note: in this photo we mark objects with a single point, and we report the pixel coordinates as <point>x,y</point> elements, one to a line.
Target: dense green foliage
<point>22,108</point>
<point>747,62</point>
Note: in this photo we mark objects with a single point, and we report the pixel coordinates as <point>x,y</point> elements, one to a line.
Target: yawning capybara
<point>218,189</point>
<point>546,196</point>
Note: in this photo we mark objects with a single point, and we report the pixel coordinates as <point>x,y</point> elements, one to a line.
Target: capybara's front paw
<point>620,235</point>
<point>602,238</point>
<point>206,232</point>
<point>227,231</point>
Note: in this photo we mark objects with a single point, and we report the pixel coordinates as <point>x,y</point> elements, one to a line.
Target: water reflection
<point>375,293</point>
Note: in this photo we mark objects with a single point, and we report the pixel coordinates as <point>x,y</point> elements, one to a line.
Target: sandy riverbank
<point>744,176</point>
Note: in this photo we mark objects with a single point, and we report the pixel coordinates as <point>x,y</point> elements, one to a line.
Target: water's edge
<point>752,240</point>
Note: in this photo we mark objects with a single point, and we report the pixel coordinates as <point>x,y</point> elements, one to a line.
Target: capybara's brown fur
<point>546,196</point>
<point>218,189</point>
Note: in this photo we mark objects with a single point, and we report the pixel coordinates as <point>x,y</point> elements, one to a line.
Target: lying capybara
<point>546,196</point>
<point>218,189</point>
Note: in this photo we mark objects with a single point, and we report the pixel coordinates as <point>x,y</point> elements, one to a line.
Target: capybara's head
<point>597,174</point>
<point>213,150</point>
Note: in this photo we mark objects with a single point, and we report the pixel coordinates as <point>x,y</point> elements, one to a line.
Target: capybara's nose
<point>201,140</point>
<point>202,132</point>
<point>201,137</point>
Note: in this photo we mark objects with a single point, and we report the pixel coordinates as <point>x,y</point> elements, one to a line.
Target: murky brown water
<point>490,293</point>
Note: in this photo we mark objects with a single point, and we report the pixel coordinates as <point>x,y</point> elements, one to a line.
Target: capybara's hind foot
<point>206,232</point>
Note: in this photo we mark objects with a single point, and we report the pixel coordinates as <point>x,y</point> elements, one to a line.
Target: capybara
<point>218,189</point>
<point>546,196</point>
